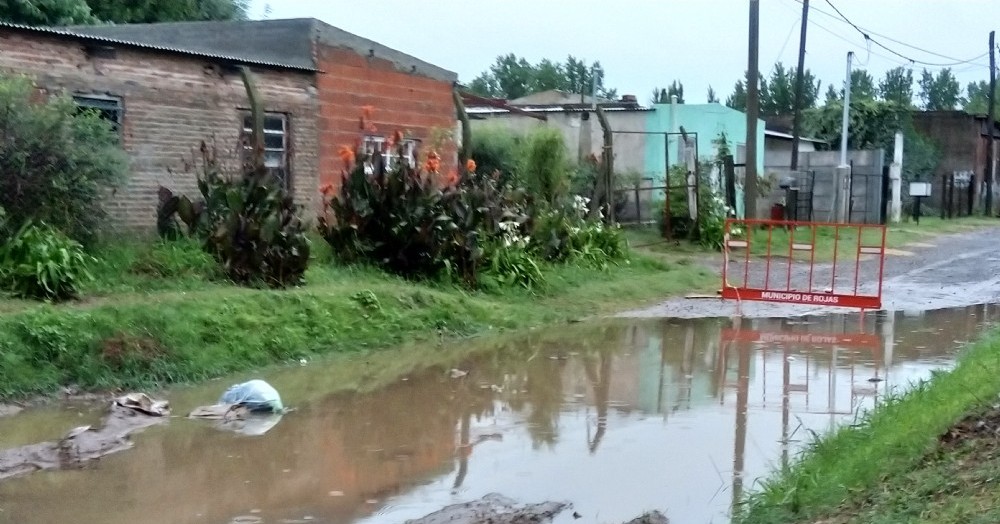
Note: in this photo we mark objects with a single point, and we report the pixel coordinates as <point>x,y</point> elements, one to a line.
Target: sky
<point>643,44</point>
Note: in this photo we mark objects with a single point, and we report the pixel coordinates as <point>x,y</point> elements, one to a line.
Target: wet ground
<point>616,418</point>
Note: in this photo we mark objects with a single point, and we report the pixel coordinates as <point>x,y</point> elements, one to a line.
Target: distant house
<point>646,139</point>
<point>961,139</point>
<point>169,86</point>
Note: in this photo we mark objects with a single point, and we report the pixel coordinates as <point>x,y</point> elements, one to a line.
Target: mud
<point>979,426</point>
<point>494,509</point>
<point>80,446</point>
<point>954,272</point>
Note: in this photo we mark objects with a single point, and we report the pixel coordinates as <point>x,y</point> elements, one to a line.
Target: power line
<point>907,58</point>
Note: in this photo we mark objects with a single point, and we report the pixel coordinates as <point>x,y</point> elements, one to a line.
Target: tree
<point>79,12</point>
<point>46,12</point>
<point>511,77</point>
<point>977,97</point>
<point>897,86</point>
<point>832,95</point>
<point>148,11</point>
<point>862,85</point>
<point>712,97</point>
<point>659,96</point>
<point>941,92</point>
<point>779,96</point>
<point>738,100</point>
<point>676,89</point>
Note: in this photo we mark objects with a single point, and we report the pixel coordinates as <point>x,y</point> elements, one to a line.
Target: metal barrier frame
<point>788,294</point>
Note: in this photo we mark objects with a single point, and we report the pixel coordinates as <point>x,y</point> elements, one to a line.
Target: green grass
<point>898,237</point>
<point>137,328</point>
<point>889,466</point>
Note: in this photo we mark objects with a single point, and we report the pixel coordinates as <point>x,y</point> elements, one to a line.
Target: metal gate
<point>786,261</point>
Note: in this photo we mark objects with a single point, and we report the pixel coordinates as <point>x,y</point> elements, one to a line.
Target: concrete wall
<point>171,102</point>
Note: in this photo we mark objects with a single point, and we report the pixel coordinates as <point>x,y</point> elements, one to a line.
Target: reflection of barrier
<point>852,340</point>
<point>778,262</point>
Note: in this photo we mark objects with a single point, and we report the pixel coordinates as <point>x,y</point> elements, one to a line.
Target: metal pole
<point>753,111</point>
<point>847,107</point>
<point>799,78</point>
<point>990,116</point>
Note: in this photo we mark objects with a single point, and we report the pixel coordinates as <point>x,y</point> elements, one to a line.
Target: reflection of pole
<point>464,448</point>
<point>742,397</point>
<point>786,371</point>
<point>688,362</point>
<point>602,390</point>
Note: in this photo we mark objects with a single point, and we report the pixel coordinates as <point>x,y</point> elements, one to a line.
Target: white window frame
<point>375,143</point>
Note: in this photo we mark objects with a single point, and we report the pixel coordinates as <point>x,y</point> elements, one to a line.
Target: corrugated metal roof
<point>779,134</point>
<point>483,110</point>
<point>152,47</point>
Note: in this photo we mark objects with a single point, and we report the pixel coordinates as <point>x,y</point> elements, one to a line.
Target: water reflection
<point>617,418</point>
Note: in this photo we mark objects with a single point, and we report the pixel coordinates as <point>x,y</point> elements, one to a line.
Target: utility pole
<point>842,174</point>
<point>799,78</point>
<point>753,110</point>
<point>988,174</point>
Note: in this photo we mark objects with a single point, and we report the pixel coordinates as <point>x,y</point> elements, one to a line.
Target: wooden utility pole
<point>799,79</point>
<point>990,115</point>
<point>753,110</point>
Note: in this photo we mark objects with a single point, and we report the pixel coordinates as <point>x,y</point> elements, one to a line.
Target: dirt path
<point>944,271</point>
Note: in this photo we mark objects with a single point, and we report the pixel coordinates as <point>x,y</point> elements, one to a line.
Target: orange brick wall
<point>412,103</point>
<point>171,103</point>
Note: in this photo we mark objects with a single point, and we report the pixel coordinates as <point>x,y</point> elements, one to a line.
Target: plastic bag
<point>256,395</point>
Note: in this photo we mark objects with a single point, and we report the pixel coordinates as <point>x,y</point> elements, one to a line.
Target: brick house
<point>962,140</point>
<point>169,86</point>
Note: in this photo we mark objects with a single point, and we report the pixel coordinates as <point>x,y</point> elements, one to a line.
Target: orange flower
<point>346,156</point>
<point>326,189</point>
<point>470,166</point>
<point>450,179</point>
<point>433,164</point>
<point>396,138</point>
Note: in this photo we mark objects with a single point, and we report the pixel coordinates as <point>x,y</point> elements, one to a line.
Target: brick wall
<point>410,102</point>
<point>171,103</point>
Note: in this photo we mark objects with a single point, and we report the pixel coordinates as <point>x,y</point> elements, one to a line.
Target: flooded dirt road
<point>617,418</point>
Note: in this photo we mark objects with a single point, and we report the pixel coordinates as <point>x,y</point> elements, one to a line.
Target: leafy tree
<point>977,97</point>
<point>659,96</point>
<point>148,11</point>
<point>676,89</point>
<point>862,85</point>
<point>941,92</point>
<point>832,95</point>
<point>513,77</point>
<point>712,97</point>
<point>873,124</point>
<point>738,100</point>
<point>779,96</point>
<point>897,86</point>
<point>46,12</point>
<point>79,12</point>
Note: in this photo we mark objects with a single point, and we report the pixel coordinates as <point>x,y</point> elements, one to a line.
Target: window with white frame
<point>275,144</point>
<point>374,144</point>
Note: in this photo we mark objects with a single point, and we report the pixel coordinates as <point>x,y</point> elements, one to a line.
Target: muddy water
<point>617,418</point>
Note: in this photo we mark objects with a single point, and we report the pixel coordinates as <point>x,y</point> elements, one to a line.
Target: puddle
<point>618,418</point>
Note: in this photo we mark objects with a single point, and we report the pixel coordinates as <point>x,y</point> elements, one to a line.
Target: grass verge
<point>141,329</point>
<point>892,466</point>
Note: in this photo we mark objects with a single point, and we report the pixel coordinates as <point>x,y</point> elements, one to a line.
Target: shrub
<point>712,212</point>
<point>564,234</point>
<point>414,222</point>
<point>509,263</point>
<point>247,219</point>
<point>499,150</point>
<point>547,174</point>
<point>58,163</point>
<point>39,262</point>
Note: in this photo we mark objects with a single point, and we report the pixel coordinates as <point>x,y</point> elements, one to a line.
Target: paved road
<point>941,272</point>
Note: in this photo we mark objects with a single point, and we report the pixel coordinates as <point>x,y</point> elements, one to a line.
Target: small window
<point>106,107</point>
<point>275,144</point>
<point>377,145</point>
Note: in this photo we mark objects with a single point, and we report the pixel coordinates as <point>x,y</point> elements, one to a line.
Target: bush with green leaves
<point>564,233</point>
<point>712,211</point>
<point>499,152</point>
<point>39,262</point>
<point>58,164</point>
<point>546,168</point>
<point>414,222</point>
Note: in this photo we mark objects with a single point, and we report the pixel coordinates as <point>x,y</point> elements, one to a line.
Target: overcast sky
<point>645,44</point>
